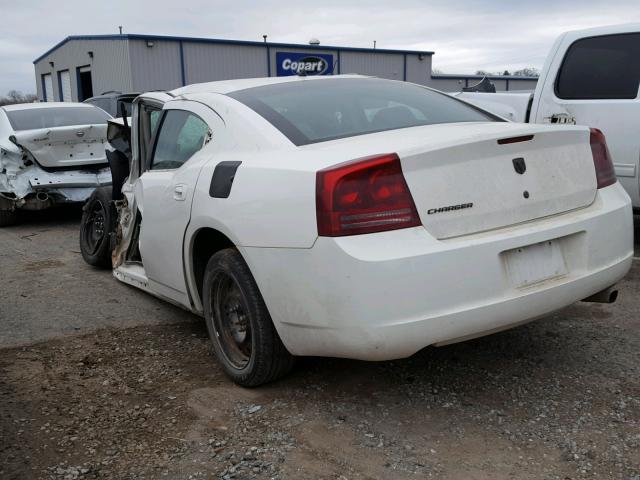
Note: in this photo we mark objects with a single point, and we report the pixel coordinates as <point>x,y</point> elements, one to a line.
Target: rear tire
<point>244,338</point>
<point>8,217</point>
<point>98,221</point>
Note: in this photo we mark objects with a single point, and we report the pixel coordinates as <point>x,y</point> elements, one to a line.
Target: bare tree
<point>527,72</point>
<point>15,96</point>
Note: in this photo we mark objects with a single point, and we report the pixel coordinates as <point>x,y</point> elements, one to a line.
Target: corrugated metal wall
<point>204,62</point>
<point>446,84</point>
<point>110,66</point>
<point>384,65</point>
<point>523,84</point>
<point>155,67</point>
<point>163,64</point>
<point>457,83</point>
<point>419,71</point>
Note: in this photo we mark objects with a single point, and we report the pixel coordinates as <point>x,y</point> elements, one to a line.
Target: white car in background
<point>591,77</point>
<point>50,153</point>
<point>353,217</point>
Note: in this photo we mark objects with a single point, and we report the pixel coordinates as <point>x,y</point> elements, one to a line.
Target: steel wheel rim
<point>93,229</point>
<point>231,321</point>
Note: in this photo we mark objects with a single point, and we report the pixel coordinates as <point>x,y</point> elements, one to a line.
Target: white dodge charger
<point>353,217</point>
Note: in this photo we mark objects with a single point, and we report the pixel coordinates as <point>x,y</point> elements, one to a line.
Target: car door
<point>597,85</point>
<point>165,189</point>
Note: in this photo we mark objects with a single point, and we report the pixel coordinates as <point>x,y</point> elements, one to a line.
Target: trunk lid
<point>463,181</point>
<point>482,185</point>
<point>64,147</point>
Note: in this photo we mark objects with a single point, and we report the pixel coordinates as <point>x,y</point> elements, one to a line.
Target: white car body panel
<point>619,119</point>
<point>384,295</point>
<point>468,156</point>
<point>63,164</point>
<point>372,301</point>
<point>167,196</point>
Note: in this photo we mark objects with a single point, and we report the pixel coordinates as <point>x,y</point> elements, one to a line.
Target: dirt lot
<point>98,380</point>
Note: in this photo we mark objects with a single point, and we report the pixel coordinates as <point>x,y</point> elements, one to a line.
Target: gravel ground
<point>48,291</point>
<point>129,389</point>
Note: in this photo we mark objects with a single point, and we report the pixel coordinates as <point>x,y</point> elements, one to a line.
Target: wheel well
<point>206,242</point>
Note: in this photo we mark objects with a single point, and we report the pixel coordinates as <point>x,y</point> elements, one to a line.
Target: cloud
<point>467,35</point>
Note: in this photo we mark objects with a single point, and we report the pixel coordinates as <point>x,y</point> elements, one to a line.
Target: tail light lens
<point>605,173</point>
<point>364,196</point>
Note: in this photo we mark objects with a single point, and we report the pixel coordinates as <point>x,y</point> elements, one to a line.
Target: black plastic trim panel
<point>222,179</point>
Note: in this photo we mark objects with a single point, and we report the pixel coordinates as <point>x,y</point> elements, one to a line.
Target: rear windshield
<point>318,110</point>
<point>35,118</point>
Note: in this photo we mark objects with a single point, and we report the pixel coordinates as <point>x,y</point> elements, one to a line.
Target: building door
<point>85,85</point>
<point>47,87</point>
<point>65,86</point>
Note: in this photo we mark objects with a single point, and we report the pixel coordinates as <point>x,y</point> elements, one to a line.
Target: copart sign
<point>290,63</point>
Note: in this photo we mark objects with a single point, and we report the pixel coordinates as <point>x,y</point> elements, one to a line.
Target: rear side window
<point>180,136</point>
<point>606,67</point>
<point>311,111</point>
<point>52,117</point>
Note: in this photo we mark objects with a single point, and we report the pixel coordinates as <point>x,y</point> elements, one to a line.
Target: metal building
<point>82,66</point>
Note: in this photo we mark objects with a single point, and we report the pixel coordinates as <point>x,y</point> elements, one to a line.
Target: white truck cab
<point>591,77</point>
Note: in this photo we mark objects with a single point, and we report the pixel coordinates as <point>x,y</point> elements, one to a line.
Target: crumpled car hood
<point>74,146</point>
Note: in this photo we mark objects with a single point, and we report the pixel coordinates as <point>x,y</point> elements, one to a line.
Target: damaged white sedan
<point>50,153</point>
<point>353,217</point>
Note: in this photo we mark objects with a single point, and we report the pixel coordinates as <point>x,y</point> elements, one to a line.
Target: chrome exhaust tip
<point>608,295</point>
<point>42,197</point>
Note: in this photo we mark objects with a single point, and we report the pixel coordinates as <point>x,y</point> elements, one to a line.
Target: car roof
<point>606,30</point>
<point>114,95</point>
<point>229,86</point>
<point>33,106</point>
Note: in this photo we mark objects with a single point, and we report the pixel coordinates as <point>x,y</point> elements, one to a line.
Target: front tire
<point>98,221</point>
<point>244,338</point>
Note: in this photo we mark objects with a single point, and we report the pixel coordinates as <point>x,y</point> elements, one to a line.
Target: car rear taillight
<point>366,195</point>
<point>605,173</point>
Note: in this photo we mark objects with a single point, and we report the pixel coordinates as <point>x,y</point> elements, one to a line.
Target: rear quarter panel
<point>269,205</point>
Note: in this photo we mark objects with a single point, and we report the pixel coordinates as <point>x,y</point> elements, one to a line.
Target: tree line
<point>15,96</point>
<point>524,72</point>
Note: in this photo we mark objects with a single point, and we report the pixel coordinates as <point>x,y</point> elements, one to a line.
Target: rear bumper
<point>68,186</point>
<point>388,295</point>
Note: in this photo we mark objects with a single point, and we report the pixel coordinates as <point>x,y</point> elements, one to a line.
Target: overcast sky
<point>466,35</point>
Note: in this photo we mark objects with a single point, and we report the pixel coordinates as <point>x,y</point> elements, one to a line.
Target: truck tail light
<point>366,195</point>
<point>605,173</point>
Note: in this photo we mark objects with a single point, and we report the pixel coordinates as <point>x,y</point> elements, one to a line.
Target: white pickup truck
<point>591,77</point>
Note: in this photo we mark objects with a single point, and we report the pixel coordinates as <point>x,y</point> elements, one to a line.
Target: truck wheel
<point>98,220</point>
<point>244,338</point>
<point>8,217</point>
